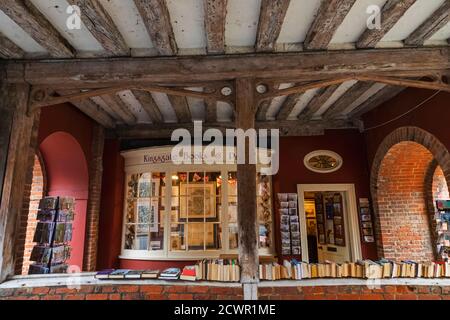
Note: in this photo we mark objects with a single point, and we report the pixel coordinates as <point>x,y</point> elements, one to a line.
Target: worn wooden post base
<point>250,291</point>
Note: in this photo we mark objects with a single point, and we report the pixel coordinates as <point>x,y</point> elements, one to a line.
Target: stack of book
<point>52,235</point>
<point>366,269</point>
<point>442,228</point>
<point>127,274</point>
<point>226,270</point>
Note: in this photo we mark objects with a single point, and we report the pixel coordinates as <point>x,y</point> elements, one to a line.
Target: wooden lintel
<point>300,66</point>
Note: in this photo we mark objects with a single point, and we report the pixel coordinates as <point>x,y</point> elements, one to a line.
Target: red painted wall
<point>349,144</point>
<point>433,116</point>
<point>65,136</point>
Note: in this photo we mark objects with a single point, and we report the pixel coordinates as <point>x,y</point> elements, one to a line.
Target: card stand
<point>289,224</point>
<point>442,218</point>
<point>53,234</point>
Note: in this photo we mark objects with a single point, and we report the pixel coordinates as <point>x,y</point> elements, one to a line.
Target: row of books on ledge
<point>225,270</point>
<point>366,269</point>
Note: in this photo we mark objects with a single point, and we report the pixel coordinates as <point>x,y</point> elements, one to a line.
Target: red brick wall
<point>181,292</point>
<point>403,220</point>
<point>29,215</point>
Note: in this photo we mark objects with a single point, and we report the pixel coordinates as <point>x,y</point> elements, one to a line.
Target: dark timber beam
<point>246,177</point>
<point>157,21</point>
<point>119,108</point>
<point>261,113</point>
<point>215,16</point>
<point>210,111</point>
<point>102,27</point>
<point>330,16</point>
<point>22,143</point>
<point>270,21</point>
<point>27,16</point>
<point>181,107</point>
<point>92,110</point>
<point>432,25</point>
<point>316,102</point>
<point>288,106</point>
<point>295,67</point>
<point>392,11</point>
<point>347,99</point>
<point>8,49</point>
<point>149,105</point>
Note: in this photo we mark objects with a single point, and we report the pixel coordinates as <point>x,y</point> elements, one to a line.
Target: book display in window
<point>289,224</point>
<point>52,235</point>
<point>365,219</point>
<point>264,210</point>
<point>442,228</point>
<point>330,219</point>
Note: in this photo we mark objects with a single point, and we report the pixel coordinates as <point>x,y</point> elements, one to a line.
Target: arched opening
<point>67,175</point>
<point>402,208</point>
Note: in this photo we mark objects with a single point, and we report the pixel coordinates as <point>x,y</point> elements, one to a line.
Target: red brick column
<point>95,190</point>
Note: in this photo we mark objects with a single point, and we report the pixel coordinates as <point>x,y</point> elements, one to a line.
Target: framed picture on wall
<point>200,200</point>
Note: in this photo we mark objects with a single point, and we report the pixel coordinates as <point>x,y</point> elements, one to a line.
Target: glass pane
<point>131,211</point>
<point>156,237</point>
<point>143,210</point>
<point>233,236</point>
<point>142,238</point>
<point>264,236</point>
<point>177,237</point>
<point>196,236</point>
<point>232,209</point>
<point>232,184</point>
<point>144,187</point>
<point>130,235</point>
<point>213,236</point>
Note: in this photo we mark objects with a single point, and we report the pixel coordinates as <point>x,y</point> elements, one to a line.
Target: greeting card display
<point>289,224</point>
<point>365,219</point>
<point>52,235</point>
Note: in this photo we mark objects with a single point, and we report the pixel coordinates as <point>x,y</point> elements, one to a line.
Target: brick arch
<point>434,154</point>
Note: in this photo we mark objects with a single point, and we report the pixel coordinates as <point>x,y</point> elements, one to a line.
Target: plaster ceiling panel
<point>164,105</point>
<point>55,12</point>
<point>188,25</point>
<point>224,112</point>
<point>298,19</point>
<point>334,97</point>
<point>355,23</point>
<point>363,98</point>
<point>128,21</point>
<point>242,23</point>
<point>302,103</point>
<point>197,108</point>
<point>17,35</point>
<point>411,20</point>
<point>134,106</point>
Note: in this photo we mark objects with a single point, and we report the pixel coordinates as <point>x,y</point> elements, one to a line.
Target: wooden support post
<point>22,139</point>
<point>246,176</point>
<point>95,190</point>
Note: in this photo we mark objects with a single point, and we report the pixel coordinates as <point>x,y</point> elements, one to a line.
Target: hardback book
<point>118,274</point>
<point>134,274</point>
<point>189,273</point>
<point>170,274</point>
<point>104,274</point>
<point>150,274</point>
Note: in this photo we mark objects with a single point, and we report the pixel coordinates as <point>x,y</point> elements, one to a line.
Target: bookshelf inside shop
<point>442,228</point>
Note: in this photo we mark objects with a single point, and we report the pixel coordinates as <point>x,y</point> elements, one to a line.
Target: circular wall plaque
<point>323,161</point>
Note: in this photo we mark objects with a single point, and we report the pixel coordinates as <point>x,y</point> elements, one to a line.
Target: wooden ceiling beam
<point>92,110</point>
<point>149,105</point>
<point>287,128</point>
<point>215,16</point>
<point>292,67</point>
<point>119,108</point>
<point>288,105</point>
<point>330,16</point>
<point>261,113</point>
<point>374,101</point>
<point>157,21</point>
<point>347,99</point>
<point>432,25</point>
<point>271,20</point>
<point>102,27</point>
<point>28,17</point>
<point>9,50</point>
<point>391,12</point>
<point>181,107</point>
<point>317,102</point>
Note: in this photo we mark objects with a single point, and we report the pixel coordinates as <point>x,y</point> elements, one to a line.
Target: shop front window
<point>144,221</point>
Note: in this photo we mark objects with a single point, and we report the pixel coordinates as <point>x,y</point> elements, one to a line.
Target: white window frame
<point>134,165</point>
